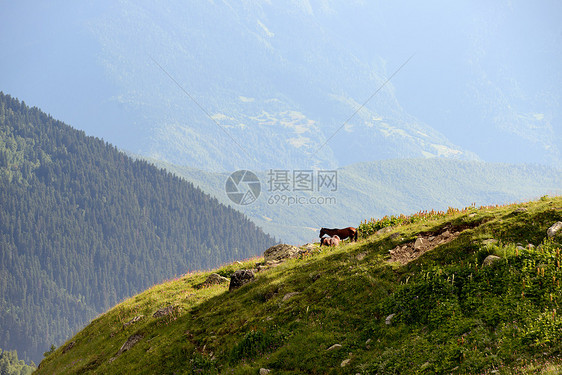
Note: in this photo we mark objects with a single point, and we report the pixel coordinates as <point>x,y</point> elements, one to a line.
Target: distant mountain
<point>295,84</point>
<point>379,188</point>
<point>83,226</point>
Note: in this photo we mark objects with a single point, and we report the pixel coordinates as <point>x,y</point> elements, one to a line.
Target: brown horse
<point>344,233</point>
<point>330,241</point>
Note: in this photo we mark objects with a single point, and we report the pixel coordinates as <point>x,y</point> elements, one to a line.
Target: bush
<point>254,343</point>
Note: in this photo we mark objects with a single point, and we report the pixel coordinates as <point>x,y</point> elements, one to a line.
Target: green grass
<point>452,315</point>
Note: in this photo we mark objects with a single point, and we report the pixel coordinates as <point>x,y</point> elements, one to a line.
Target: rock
<point>264,371</point>
<point>314,276</point>
<point>333,347</point>
<point>240,278</point>
<point>68,347</point>
<point>519,210</point>
<point>446,234</point>
<point>360,256</point>
<point>345,362</point>
<point>132,321</point>
<point>490,259</point>
<point>472,215</point>
<point>164,311</point>
<point>289,295</point>
<point>281,252</point>
<point>394,236</point>
<point>383,230</point>
<point>273,263</point>
<point>551,232</point>
<point>420,242</point>
<point>308,247</point>
<point>265,265</point>
<point>213,279</point>
<point>389,318</point>
<point>131,341</point>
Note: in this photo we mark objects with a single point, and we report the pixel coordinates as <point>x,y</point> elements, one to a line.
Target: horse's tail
<point>355,234</point>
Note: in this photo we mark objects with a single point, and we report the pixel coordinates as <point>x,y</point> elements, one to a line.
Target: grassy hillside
<point>384,187</point>
<point>415,297</point>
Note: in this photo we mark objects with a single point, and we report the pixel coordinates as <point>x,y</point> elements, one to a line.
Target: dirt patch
<point>425,242</point>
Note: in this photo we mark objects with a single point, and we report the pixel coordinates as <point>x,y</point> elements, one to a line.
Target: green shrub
<point>253,344</point>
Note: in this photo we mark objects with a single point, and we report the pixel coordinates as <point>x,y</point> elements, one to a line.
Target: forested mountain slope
<point>83,226</point>
<point>11,365</point>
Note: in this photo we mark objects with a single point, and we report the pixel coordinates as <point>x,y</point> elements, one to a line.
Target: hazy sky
<point>485,74</point>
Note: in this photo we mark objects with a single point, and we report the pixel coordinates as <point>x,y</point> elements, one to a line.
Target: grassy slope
<point>452,314</point>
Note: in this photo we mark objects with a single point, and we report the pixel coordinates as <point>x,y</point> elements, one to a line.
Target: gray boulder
<point>213,279</point>
<point>388,320</point>
<point>239,278</point>
<point>131,341</point>
<point>281,252</point>
<point>555,228</point>
<point>133,321</point>
<point>290,295</point>
<point>165,311</point>
<point>490,259</point>
<point>68,347</point>
<point>334,347</point>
